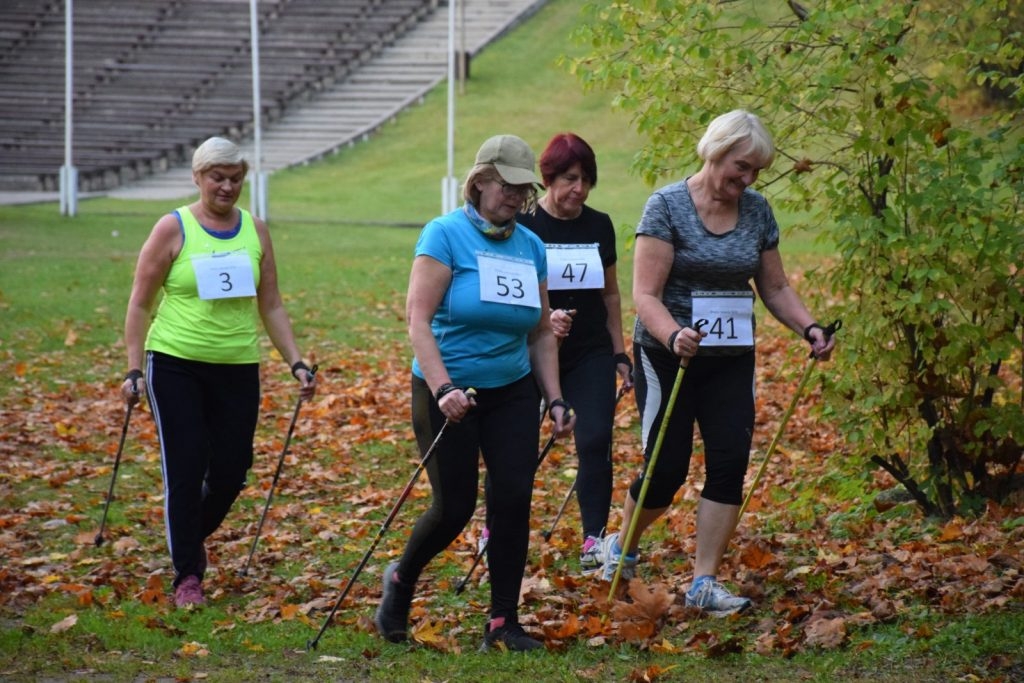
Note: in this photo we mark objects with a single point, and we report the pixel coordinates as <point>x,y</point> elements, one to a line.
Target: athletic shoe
<point>715,599</point>
<point>189,593</point>
<point>612,557</point>
<point>590,557</point>
<point>509,636</point>
<point>392,617</point>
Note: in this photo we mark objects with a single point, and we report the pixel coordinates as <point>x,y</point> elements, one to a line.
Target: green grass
<point>64,284</point>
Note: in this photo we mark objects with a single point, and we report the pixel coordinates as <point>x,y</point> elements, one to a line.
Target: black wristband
<point>623,359</point>
<point>298,365</point>
<point>444,390</point>
<point>134,375</point>
<point>807,331</point>
<point>561,403</point>
<point>672,340</point>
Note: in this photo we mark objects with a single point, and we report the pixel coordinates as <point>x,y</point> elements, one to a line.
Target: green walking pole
<point>829,331</point>
<point>650,468</point>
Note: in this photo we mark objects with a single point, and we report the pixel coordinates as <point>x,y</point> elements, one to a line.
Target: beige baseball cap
<point>511,157</point>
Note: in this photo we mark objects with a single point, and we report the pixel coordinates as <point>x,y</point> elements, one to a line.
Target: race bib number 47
<point>574,266</point>
<point>730,317</point>
<point>224,276</point>
<point>505,280</point>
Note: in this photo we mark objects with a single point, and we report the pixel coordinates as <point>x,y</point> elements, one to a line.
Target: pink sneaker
<point>189,593</point>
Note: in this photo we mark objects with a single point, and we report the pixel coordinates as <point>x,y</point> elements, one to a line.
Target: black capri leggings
<point>504,429</point>
<point>717,393</point>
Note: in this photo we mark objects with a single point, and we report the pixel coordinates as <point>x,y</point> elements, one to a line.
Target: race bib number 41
<point>224,276</point>
<point>574,266</point>
<point>505,280</point>
<point>730,317</point>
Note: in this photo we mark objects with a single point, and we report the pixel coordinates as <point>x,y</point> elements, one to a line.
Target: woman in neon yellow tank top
<point>214,263</point>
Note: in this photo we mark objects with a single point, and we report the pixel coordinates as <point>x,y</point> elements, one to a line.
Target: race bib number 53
<point>505,280</point>
<point>730,317</point>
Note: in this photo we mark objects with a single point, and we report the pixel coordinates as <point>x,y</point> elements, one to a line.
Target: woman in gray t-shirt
<point>699,244</point>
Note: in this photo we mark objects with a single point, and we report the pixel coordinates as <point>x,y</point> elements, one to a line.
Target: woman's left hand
<point>564,417</point>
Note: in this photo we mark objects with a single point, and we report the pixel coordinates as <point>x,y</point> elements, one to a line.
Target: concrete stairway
<point>373,94</point>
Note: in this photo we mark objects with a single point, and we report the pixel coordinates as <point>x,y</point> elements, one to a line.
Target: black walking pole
<point>113,476</point>
<point>277,475</point>
<point>311,645</point>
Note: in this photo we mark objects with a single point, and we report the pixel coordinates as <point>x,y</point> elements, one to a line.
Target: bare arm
<point>544,361</point>
<point>155,258</point>
<point>785,304</point>
<point>272,311</point>
<point>613,304</point>
<point>652,263</point>
<point>429,279</point>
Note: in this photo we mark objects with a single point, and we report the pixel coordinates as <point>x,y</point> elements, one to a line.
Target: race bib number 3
<point>574,266</point>
<point>730,317</point>
<point>224,276</point>
<point>506,280</point>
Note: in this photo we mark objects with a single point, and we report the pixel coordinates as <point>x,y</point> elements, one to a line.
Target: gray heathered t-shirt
<point>703,260</point>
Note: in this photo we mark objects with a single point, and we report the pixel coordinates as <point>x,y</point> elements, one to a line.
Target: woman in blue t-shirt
<point>477,310</point>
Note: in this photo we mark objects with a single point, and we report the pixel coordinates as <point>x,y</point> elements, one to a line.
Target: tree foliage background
<point>888,141</point>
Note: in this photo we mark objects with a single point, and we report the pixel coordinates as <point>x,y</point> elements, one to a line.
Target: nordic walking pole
<point>669,407</point>
<point>277,475</point>
<point>113,476</point>
<point>483,548</point>
<point>572,489</point>
<point>311,644</point>
<point>829,331</point>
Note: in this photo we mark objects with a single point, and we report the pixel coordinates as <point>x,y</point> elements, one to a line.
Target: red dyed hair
<point>564,150</point>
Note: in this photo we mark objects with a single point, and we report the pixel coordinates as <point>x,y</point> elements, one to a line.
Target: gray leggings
<point>717,393</point>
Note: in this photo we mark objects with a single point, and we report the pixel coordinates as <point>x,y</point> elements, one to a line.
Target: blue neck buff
<point>495,232</point>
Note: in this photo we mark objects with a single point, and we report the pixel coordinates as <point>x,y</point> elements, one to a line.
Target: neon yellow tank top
<point>219,330</point>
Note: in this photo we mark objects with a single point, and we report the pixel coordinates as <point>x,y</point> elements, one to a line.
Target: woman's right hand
<point>561,322</point>
<point>132,387</point>
<point>456,403</point>
<point>686,342</point>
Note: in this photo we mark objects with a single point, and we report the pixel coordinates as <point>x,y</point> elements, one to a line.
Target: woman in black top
<point>586,315</point>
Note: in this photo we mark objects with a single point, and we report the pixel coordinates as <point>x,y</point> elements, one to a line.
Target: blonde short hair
<point>217,151</point>
<point>483,172</point>
<point>731,130</point>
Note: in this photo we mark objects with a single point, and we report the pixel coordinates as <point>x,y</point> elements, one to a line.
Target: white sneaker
<point>612,558</point>
<point>715,599</point>
<point>591,556</point>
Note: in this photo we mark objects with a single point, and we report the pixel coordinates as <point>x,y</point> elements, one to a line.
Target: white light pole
<point>258,179</point>
<point>68,173</point>
<point>449,185</point>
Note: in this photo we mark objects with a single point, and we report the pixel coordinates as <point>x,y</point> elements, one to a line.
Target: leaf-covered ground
<point>818,556</point>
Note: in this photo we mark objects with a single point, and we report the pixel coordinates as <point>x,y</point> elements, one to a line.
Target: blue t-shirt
<point>482,343</point>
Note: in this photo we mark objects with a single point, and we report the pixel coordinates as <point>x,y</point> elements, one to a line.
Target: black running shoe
<point>392,617</point>
<point>509,636</point>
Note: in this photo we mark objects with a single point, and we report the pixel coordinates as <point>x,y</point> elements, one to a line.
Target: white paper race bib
<point>505,280</point>
<point>730,317</point>
<point>224,276</point>
<point>574,266</point>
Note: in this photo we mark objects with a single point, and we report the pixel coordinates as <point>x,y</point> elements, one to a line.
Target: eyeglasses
<point>510,190</point>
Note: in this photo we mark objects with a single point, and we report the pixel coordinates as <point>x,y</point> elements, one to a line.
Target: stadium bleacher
<point>154,78</point>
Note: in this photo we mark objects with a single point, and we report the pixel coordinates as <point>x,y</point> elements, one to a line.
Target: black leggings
<point>206,417</point>
<point>590,387</point>
<point>503,428</point>
<point>718,394</point>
